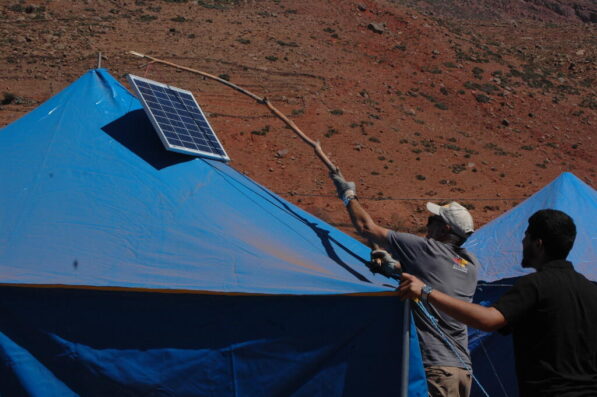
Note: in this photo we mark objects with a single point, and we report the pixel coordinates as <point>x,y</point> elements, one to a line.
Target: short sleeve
<point>406,248</point>
<point>517,302</point>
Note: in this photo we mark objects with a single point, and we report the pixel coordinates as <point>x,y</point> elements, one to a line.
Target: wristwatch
<point>425,291</point>
<point>348,199</point>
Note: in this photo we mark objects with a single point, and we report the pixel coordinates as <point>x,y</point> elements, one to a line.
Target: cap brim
<point>433,208</point>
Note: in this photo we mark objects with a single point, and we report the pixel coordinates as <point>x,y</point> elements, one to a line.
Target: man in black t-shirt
<point>551,313</point>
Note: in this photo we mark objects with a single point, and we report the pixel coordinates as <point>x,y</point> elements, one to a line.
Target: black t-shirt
<point>552,315</point>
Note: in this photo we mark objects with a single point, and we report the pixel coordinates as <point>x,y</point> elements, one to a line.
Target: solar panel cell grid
<point>178,119</point>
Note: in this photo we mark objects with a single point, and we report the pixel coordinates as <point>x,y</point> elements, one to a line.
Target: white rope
<point>493,369</point>
<point>448,342</point>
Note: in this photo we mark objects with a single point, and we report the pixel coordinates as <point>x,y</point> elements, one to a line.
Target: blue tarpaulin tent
<point>129,270</point>
<point>498,245</point>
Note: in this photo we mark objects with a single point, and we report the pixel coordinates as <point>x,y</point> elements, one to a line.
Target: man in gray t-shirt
<point>441,263</point>
<point>448,268</point>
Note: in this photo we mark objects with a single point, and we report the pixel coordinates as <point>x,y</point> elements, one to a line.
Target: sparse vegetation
<point>447,182</point>
<point>478,73</point>
<point>482,98</point>
<point>458,168</point>
<point>9,97</point>
<point>211,4</point>
<point>487,88</point>
<point>147,18</point>
<point>287,44</point>
<point>331,132</point>
<point>262,131</point>
<point>590,101</point>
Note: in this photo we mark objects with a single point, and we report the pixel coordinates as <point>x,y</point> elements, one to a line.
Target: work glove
<point>346,190</point>
<point>383,263</point>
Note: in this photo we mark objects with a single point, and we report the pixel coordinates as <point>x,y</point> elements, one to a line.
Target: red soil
<point>482,111</point>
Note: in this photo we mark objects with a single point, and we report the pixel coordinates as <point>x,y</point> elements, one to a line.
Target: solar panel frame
<point>178,119</point>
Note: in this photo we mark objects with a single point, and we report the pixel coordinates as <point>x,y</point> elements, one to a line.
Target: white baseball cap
<point>454,215</point>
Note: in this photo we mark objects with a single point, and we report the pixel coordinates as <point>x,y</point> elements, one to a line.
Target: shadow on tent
<point>131,130</point>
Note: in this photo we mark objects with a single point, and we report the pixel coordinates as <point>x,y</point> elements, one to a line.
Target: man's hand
<point>410,287</point>
<point>345,189</point>
<point>383,263</point>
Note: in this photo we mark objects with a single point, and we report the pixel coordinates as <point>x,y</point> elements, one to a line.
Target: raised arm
<point>381,261</point>
<point>471,314</point>
<point>360,218</point>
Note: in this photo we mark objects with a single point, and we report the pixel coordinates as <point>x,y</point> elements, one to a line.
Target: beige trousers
<point>448,381</point>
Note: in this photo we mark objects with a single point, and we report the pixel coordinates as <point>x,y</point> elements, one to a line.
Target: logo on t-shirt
<point>460,264</point>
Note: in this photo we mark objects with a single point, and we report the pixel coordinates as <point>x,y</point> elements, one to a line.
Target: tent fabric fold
<point>91,201</point>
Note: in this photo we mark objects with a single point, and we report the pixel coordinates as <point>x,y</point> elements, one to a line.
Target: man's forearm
<point>471,314</point>
<point>360,218</point>
<point>363,222</point>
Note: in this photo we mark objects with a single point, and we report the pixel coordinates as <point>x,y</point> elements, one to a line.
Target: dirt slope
<point>413,104</point>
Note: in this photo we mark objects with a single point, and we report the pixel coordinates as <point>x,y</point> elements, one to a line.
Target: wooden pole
<point>314,144</point>
<point>405,350</point>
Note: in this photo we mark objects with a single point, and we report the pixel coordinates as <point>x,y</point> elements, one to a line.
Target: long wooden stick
<point>314,144</point>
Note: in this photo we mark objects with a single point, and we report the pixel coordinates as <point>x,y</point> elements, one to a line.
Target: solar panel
<point>178,119</point>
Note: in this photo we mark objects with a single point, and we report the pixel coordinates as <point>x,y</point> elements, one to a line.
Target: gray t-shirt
<point>446,268</point>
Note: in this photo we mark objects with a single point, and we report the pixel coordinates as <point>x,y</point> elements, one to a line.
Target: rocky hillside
<point>554,11</point>
<point>476,101</point>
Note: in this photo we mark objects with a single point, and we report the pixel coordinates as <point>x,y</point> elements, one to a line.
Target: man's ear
<point>447,228</point>
<point>539,243</point>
